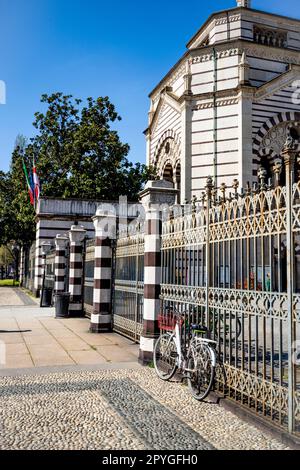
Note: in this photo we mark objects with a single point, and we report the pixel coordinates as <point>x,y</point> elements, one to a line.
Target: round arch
<point>269,141</point>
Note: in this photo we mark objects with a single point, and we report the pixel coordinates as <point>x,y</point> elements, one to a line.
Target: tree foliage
<point>79,155</point>
<point>17,216</point>
<point>6,256</point>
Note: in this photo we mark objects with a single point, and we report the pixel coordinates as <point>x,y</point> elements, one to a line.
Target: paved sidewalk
<point>14,296</point>
<point>34,338</point>
<point>62,387</point>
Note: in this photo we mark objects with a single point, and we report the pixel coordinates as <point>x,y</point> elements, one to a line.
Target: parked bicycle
<point>183,347</point>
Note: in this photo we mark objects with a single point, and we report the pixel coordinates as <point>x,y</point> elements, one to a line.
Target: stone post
<point>77,236</point>
<point>105,234</point>
<point>155,194</point>
<point>60,263</point>
<point>289,155</point>
<point>45,248</point>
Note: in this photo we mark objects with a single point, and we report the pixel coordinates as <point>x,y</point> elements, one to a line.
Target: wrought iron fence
<point>88,283</point>
<point>50,270</point>
<point>232,263</point>
<point>30,267</point>
<point>128,284</point>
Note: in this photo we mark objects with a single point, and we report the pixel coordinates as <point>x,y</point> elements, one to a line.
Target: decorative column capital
<point>277,169</point>
<point>289,154</point>
<point>45,248</point>
<point>61,241</point>
<point>157,193</point>
<point>77,234</point>
<point>105,221</point>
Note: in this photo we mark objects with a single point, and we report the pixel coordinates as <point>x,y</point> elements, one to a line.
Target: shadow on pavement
<point>15,331</point>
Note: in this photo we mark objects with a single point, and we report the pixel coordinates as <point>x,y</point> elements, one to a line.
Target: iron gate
<point>88,275</point>
<point>232,263</point>
<point>128,284</point>
<point>50,270</point>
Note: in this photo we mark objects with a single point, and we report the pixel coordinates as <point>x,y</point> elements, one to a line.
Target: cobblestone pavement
<point>116,409</point>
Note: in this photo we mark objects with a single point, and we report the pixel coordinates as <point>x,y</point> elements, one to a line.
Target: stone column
<point>38,265</point>
<point>45,248</point>
<point>77,236</point>
<point>60,263</point>
<point>105,231</point>
<point>155,194</point>
<point>289,154</point>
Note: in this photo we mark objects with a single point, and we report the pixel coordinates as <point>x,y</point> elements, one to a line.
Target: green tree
<point>6,258</point>
<point>80,155</point>
<point>17,215</point>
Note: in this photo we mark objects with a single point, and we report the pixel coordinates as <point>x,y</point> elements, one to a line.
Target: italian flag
<point>36,182</point>
<point>28,183</point>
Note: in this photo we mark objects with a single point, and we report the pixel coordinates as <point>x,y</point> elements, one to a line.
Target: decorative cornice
<point>275,53</point>
<point>232,19</point>
<point>220,55</point>
<point>219,103</point>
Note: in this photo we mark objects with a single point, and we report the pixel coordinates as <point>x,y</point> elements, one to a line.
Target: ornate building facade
<point>226,108</point>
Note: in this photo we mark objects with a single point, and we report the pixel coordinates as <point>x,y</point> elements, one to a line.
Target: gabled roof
<point>165,98</point>
<point>235,10</point>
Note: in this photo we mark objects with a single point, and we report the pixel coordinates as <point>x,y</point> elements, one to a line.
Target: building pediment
<point>166,99</point>
<point>282,81</point>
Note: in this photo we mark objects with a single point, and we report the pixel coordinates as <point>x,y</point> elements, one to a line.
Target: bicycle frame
<point>176,334</point>
<point>178,344</point>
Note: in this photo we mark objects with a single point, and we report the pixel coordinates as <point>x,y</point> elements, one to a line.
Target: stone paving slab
<point>87,357</point>
<point>96,410</point>
<point>43,340</point>
<point>9,296</point>
<point>15,361</point>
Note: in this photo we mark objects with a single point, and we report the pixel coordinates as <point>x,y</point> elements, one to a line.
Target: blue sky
<point>96,48</point>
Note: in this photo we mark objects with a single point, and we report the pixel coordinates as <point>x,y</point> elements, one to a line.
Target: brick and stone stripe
<point>155,197</point>
<point>152,279</point>
<point>60,263</point>
<point>77,235</point>
<point>101,318</point>
<point>45,248</point>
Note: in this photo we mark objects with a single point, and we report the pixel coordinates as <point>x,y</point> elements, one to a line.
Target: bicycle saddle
<point>196,326</point>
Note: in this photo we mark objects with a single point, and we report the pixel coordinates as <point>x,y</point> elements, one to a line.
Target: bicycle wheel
<point>201,371</point>
<point>165,357</point>
<point>224,333</point>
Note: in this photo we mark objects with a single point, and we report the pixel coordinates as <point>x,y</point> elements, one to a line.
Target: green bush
<point>8,283</point>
